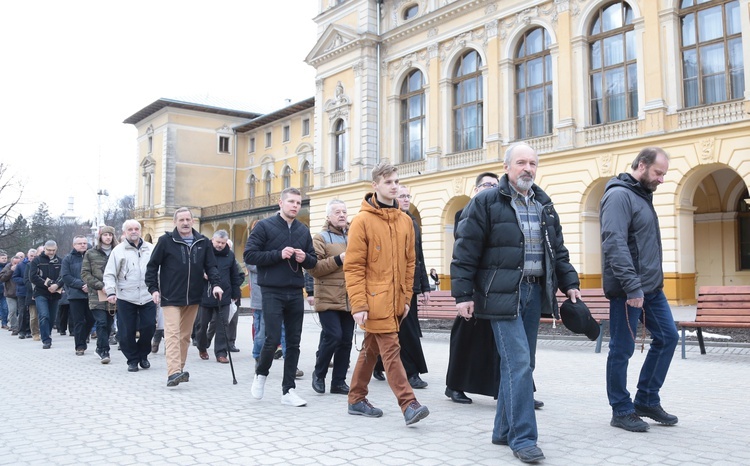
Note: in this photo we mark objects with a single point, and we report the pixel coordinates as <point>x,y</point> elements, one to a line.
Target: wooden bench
<point>443,306</point>
<point>719,307</point>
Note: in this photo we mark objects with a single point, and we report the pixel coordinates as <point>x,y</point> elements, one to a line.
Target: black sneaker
<point>132,367</point>
<point>104,356</point>
<point>416,381</point>
<point>415,412</point>
<point>364,408</point>
<point>340,389</point>
<point>630,422</point>
<point>529,454</point>
<point>145,364</point>
<point>656,413</point>
<point>278,353</point>
<point>177,378</point>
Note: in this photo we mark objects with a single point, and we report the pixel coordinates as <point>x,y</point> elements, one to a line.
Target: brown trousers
<point>178,325</point>
<point>386,345</point>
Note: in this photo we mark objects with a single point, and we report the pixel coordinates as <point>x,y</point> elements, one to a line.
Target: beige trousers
<point>178,325</point>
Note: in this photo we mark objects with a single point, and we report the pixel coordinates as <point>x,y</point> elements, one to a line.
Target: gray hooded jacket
<point>631,240</point>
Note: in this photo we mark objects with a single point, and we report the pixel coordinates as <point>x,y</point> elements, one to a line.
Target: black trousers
<point>81,321</point>
<point>335,342</point>
<point>288,308</point>
<point>409,337</point>
<point>205,316</point>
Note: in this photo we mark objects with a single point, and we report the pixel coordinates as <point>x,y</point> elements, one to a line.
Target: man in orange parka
<point>379,271</point>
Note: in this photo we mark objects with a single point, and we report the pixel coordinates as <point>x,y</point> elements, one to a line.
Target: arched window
<point>712,63</point>
<point>533,65</point>
<point>614,81</point>
<point>412,117</point>
<point>286,177</point>
<point>467,102</point>
<point>251,186</point>
<point>306,175</point>
<point>267,181</point>
<point>340,147</point>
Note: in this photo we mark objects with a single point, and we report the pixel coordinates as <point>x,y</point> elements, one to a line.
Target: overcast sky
<point>74,70</point>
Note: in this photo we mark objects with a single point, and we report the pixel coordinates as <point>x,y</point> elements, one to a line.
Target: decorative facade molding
<point>339,106</point>
<point>525,17</point>
<point>706,150</point>
<point>406,62</point>
<point>606,165</point>
<point>460,41</point>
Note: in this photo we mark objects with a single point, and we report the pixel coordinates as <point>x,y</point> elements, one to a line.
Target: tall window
<point>150,144</point>
<point>267,181</point>
<point>251,149</point>
<point>533,85</point>
<point>467,103</point>
<point>340,147</point>
<point>712,63</point>
<point>614,81</point>
<point>287,177</point>
<point>412,117</point>
<point>306,127</point>
<point>285,133</point>
<point>306,175</point>
<point>224,144</point>
<point>268,139</point>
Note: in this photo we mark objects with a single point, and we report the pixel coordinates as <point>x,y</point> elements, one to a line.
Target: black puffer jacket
<point>230,280</point>
<point>421,282</point>
<point>71,275</point>
<point>488,255</point>
<point>264,246</point>
<point>631,240</point>
<point>176,269</point>
<point>44,268</point>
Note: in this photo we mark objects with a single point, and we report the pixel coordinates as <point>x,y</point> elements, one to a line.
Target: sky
<point>74,70</point>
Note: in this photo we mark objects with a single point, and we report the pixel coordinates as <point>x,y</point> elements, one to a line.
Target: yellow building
<point>441,88</point>
<point>229,166</point>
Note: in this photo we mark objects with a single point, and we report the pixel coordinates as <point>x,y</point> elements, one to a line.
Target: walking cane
<point>226,338</point>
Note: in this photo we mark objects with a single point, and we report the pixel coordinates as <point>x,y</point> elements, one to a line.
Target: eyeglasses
<point>487,185</point>
<point>404,196</point>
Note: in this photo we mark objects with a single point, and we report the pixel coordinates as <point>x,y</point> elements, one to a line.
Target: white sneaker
<point>259,384</point>
<point>292,399</point>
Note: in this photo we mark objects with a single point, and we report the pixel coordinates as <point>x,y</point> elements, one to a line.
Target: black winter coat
<point>230,280</point>
<point>488,255</point>
<point>421,282</point>
<point>71,275</point>
<point>176,269</point>
<point>263,249</point>
<point>44,268</point>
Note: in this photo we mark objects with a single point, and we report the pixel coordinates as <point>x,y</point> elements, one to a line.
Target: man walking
<point>214,308</point>
<point>19,278</point>
<point>280,246</point>
<point>508,261</point>
<point>124,282</point>
<point>379,272</point>
<point>9,291</point>
<point>45,273</point>
<point>92,272</point>
<point>175,279</point>
<point>633,281</point>
<point>78,294</point>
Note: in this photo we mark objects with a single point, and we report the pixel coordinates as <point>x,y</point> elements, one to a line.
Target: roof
<point>277,115</point>
<point>159,104</point>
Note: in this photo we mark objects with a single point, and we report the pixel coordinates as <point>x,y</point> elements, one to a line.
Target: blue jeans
<point>288,309</point>
<point>260,334</point>
<point>515,339</point>
<point>46,309</point>
<point>660,324</point>
<point>103,323</point>
<point>3,310</point>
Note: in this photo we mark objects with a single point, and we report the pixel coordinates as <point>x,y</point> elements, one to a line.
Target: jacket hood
<point>370,204</point>
<point>626,180</point>
<point>329,227</point>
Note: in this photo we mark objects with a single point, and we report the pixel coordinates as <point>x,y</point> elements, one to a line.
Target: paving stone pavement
<point>62,409</point>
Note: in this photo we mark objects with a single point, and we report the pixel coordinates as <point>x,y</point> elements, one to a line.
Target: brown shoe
<point>203,355</point>
<point>222,359</point>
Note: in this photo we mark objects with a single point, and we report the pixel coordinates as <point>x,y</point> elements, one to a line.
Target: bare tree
<point>11,192</point>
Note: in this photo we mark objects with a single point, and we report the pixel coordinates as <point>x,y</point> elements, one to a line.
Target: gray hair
<point>50,244</point>
<point>130,222</point>
<point>181,210</point>
<point>509,152</point>
<point>221,234</point>
<point>331,203</point>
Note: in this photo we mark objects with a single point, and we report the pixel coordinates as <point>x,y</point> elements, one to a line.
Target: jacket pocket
<point>379,300</point>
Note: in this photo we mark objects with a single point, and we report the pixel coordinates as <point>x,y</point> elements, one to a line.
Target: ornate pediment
<point>335,39</point>
<point>148,164</point>
<point>338,106</point>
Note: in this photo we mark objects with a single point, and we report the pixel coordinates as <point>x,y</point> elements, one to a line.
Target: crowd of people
<point>509,260</point>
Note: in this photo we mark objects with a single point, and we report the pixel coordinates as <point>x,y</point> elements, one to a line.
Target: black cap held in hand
<point>577,318</point>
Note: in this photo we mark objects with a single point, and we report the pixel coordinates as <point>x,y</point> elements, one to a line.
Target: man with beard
<point>633,281</point>
<point>508,261</point>
<point>280,246</point>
